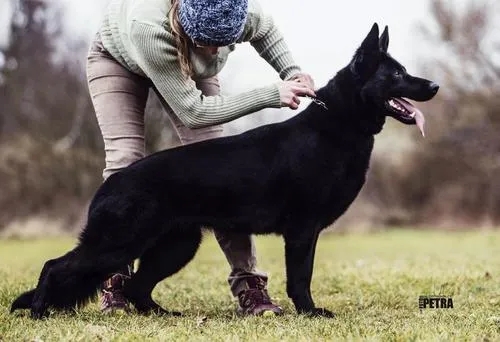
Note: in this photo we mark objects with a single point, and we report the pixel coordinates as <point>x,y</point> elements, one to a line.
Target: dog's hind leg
<point>167,256</point>
<point>114,236</point>
<point>74,278</point>
<point>25,300</point>
<point>44,294</point>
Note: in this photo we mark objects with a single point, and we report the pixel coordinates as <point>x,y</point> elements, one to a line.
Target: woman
<point>177,48</point>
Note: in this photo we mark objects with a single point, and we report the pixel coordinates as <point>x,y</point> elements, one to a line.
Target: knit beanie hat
<point>213,22</point>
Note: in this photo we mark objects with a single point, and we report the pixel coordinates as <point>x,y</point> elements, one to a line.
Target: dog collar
<point>317,101</point>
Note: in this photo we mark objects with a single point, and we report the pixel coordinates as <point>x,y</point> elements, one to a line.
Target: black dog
<point>292,178</point>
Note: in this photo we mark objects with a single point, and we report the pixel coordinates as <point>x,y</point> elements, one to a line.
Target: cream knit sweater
<point>138,35</point>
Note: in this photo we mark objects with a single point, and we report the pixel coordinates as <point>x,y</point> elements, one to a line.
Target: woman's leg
<point>119,98</point>
<point>247,284</point>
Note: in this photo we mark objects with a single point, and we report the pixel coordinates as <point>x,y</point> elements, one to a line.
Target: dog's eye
<point>398,74</point>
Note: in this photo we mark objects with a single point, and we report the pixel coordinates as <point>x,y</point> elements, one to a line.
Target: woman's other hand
<point>292,90</point>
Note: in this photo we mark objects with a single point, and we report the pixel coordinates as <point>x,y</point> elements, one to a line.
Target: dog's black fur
<point>292,178</point>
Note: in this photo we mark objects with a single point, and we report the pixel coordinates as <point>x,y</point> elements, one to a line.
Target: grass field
<point>371,281</point>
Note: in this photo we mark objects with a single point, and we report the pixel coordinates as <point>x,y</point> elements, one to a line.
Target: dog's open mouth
<point>402,110</point>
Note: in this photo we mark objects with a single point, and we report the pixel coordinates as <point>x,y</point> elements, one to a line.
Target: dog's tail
<point>67,282</point>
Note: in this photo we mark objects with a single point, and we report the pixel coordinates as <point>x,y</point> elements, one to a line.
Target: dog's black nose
<point>434,87</point>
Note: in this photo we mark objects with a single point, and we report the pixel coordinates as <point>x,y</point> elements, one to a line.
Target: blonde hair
<point>181,40</point>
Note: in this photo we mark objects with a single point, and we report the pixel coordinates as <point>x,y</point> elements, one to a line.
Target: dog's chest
<point>347,179</point>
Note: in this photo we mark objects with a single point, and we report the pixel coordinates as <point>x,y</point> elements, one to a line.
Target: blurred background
<point>51,151</point>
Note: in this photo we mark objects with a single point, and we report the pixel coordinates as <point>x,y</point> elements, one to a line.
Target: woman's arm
<point>155,53</point>
<point>267,40</point>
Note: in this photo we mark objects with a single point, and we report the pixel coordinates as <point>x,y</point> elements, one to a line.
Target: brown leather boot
<point>112,298</point>
<point>255,300</point>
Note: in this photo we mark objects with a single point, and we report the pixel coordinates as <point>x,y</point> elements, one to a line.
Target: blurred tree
<point>51,152</point>
<point>454,176</point>
<point>41,94</point>
<point>27,36</point>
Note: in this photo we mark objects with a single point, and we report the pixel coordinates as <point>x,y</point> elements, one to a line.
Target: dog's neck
<point>342,100</point>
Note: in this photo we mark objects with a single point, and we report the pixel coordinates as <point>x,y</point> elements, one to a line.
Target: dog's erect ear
<point>384,40</point>
<point>371,41</point>
<point>363,61</point>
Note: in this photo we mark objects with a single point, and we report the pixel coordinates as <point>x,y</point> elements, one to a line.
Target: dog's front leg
<point>299,255</point>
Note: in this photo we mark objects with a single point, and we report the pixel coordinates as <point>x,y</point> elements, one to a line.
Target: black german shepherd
<point>292,178</point>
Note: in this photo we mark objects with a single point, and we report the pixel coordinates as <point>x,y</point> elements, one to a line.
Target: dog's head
<point>383,83</point>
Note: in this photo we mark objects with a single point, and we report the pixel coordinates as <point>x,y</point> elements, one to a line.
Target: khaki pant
<point>119,98</point>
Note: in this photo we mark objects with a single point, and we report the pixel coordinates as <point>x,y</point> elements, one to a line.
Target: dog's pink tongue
<point>420,120</point>
<point>419,116</point>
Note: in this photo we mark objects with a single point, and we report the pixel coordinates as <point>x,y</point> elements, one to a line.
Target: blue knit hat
<point>213,22</point>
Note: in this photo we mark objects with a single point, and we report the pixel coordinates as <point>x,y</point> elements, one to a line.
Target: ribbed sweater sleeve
<point>155,53</point>
<point>268,41</point>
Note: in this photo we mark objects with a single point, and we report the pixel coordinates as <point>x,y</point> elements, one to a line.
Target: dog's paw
<point>39,309</point>
<point>319,312</point>
<point>39,313</point>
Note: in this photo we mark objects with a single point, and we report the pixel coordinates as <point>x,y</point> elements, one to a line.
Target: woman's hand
<point>304,78</point>
<point>290,91</point>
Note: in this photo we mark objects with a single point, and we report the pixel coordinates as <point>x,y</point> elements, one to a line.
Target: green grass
<point>371,281</point>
